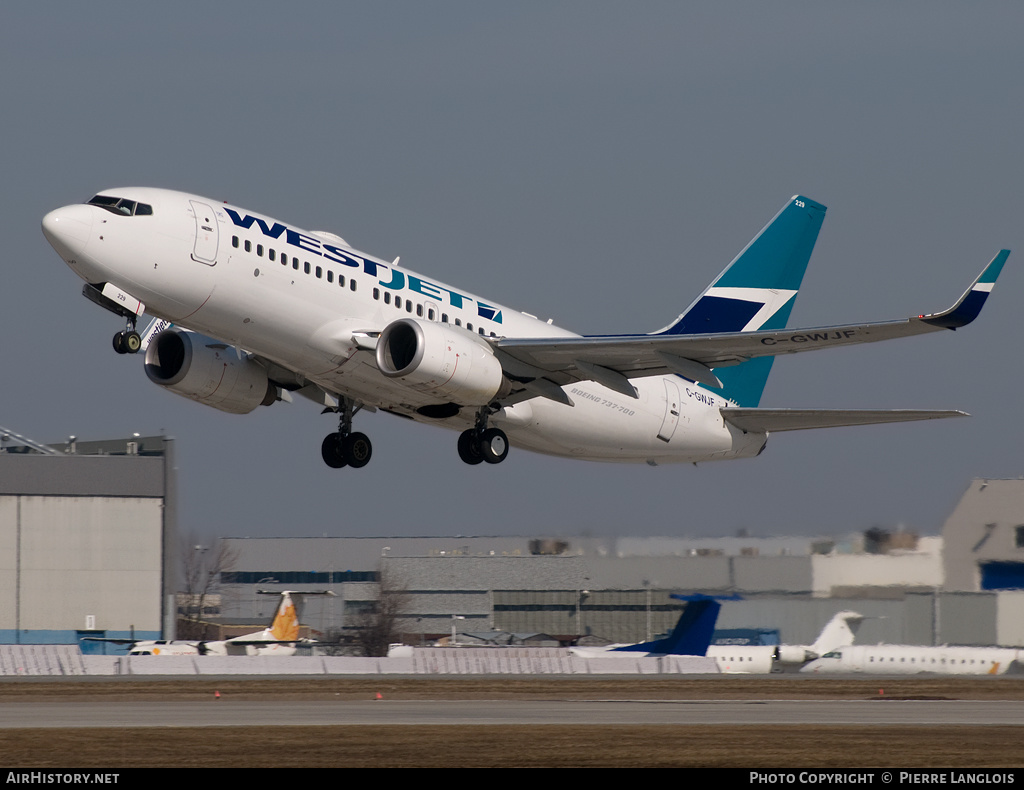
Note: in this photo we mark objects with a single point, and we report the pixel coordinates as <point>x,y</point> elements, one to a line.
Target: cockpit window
<point>121,206</point>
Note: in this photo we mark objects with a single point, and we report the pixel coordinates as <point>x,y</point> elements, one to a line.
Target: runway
<point>582,713</point>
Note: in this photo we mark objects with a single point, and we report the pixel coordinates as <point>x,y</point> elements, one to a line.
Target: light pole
<point>454,618</point>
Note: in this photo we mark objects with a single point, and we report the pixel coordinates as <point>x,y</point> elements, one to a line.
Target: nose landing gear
<point>129,341</point>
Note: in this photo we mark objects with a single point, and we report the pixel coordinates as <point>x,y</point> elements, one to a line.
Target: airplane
<point>280,638</point>
<point>692,636</point>
<point>249,311</point>
<point>918,659</point>
<point>762,659</point>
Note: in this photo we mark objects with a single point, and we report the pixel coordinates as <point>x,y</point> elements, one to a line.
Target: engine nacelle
<point>207,371</point>
<point>441,360</point>
<point>793,654</point>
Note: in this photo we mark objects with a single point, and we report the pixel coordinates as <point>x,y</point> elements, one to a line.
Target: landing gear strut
<point>345,448</point>
<point>482,443</point>
<point>129,341</point>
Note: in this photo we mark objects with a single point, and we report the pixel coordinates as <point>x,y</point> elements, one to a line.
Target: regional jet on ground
<point>692,636</point>
<point>919,659</point>
<point>251,311</point>
<point>280,638</point>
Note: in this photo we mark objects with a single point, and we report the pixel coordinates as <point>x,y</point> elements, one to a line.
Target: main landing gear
<point>482,443</point>
<point>345,448</point>
<point>129,341</point>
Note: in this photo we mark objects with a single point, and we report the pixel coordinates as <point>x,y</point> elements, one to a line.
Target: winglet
<point>970,304</point>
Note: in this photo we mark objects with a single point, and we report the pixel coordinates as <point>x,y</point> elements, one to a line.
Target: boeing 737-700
<point>250,311</point>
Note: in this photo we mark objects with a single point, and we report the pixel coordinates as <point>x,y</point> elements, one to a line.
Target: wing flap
<point>773,420</point>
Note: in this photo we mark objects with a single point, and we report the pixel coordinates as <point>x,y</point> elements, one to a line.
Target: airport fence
<point>25,660</point>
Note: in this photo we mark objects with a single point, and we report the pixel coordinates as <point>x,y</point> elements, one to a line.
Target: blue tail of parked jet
<point>693,631</point>
<point>756,291</point>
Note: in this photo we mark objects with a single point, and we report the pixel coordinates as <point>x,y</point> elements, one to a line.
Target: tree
<point>376,626</point>
<point>202,567</point>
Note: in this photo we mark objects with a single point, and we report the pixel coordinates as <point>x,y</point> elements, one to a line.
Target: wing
<point>612,360</point>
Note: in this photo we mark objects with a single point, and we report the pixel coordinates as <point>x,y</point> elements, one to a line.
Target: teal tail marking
<point>756,291</point>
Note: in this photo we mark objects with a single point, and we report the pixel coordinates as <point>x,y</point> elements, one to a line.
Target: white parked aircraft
<point>280,638</point>
<point>740,659</point>
<point>917,659</point>
<point>262,310</point>
<point>760,659</point>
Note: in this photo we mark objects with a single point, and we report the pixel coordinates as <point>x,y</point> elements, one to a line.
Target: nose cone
<point>68,229</point>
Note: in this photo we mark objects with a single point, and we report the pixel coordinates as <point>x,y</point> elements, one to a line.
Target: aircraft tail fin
<point>693,631</point>
<point>756,291</point>
<point>285,625</point>
<point>838,632</point>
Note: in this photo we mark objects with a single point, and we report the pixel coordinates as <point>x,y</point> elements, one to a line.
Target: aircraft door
<point>672,408</point>
<point>207,233</point>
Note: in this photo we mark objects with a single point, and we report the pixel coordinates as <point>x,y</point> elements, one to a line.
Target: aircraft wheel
<point>119,345</point>
<point>356,449</point>
<point>469,448</point>
<point>331,452</point>
<point>493,445</point>
<point>132,342</point>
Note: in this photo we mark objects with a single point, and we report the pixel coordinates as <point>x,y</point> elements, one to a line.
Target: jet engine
<point>441,360</point>
<point>207,371</point>
<point>794,654</point>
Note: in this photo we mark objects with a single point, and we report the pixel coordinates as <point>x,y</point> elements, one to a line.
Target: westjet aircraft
<point>251,311</point>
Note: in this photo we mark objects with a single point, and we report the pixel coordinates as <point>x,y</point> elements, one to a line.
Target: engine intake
<point>444,361</point>
<point>208,371</point>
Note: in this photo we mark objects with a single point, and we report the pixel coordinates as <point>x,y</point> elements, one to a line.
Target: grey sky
<point>596,163</point>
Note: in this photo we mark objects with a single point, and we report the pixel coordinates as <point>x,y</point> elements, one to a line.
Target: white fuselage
<point>298,298</point>
<point>752,659</point>
<point>212,648</point>
<point>916,659</point>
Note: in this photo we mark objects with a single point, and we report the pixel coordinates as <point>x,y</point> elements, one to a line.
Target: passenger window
<point>248,246</point>
<point>259,250</point>
<point>419,310</point>
<point>430,314</point>
<point>319,273</point>
<point>387,297</point>
<point>376,294</point>
<point>341,281</point>
<point>458,322</point>
<point>305,267</point>
<point>284,259</point>
<point>398,302</point>
<point>330,276</point>
<point>234,242</point>
<point>408,305</point>
<point>272,255</point>
<point>352,284</point>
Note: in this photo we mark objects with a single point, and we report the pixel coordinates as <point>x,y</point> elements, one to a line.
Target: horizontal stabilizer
<point>771,420</point>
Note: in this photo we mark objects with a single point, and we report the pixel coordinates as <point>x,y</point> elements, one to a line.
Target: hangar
<point>86,532</point>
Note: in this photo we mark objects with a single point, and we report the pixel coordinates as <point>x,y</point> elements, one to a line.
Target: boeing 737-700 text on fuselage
<point>249,311</point>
